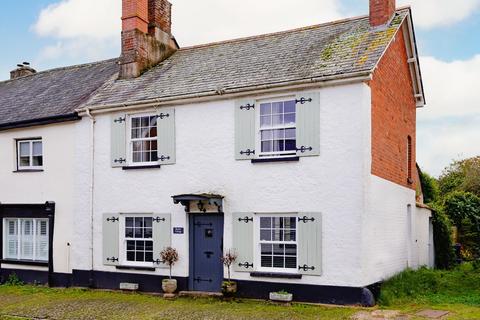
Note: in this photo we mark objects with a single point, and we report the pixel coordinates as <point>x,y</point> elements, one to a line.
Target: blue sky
<point>52,33</point>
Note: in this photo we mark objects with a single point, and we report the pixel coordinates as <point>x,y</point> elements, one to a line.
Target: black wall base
<point>246,289</point>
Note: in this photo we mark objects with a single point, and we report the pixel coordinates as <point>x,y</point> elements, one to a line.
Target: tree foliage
<point>442,237</point>
<point>461,175</point>
<point>430,188</point>
<point>461,205</point>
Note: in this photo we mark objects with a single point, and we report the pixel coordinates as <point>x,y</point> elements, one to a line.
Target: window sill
<point>284,159</point>
<point>135,268</point>
<point>28,170</point>
<point>25,262</point>
<point>275,275</point>
<point>156,166</point>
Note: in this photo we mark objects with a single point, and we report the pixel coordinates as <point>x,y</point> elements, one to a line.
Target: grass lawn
<point>456,291</point>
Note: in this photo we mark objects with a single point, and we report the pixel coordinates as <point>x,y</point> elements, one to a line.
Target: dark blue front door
<point>206,250</point>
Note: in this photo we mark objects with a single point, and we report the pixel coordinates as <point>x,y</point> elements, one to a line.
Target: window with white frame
<point>278,128</point>
<point>143,139</point>
<point>25,239</point>
<point>278,242</point>
<point>29,154</point>
<point>138,241</point>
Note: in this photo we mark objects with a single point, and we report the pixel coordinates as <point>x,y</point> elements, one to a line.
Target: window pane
<point>279,145</point>
<point>278,262</point>
<point>153,132</point>
<point>266,261</point>
<point>290,133</point>
<point>290,222</point>
<point>129,222</point>
<point>145,121</point>
<point>265,121</point>
<point>278,249</point>
<point>289,106</point>
<point>267,135</point>
<point>24,148</point>
<point>136,133</point>
<point>24,161</point>
<point>129,233</point>
<point>138,233</point>
<point>149,245</point>
<point>135,122</point>
<point>130,255</point>
<point>290,235</point>
<point>279,134</point>
<point>12,227</point>
<point>148,233</point>
<point>289,118</point>
<point>148,256</point>
<point>265,235</point>
<point>277,120</point>
<point>267,146</point>
<point>277,107</point>
<point>140,256</point>
<point>265,222</point>
<point>37,161</point>
<point>266,249</point>
<point>291,262</point>
<point>130,245</point>
<point>37,148</point>
<point>148,222</point>
<point>140,246</point>
<point>265,108</point>
<point>290,249</point>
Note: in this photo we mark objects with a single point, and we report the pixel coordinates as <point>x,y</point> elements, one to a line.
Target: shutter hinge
<point>306,268</point>
<point>304,149</point>
<point>120,120</point>
<point>247,107</point>
<point>305,219</point>
<point>112,259</point>
<point>163,115</point>
<point>121,160</point>
<point>245,265</point>
<point>163,158</point>
<point>247,152</point>
<point>113,219</point>
<point>246,219</point>
<point>158,261</point>
<point>303,100</point>
<point>158,219</point>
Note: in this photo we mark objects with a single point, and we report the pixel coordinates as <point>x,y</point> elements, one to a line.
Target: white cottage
<point>295,149</point>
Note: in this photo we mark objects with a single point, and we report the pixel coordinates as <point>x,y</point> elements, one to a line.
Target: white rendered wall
<point>55,183</point>
<point>332,183</point>
<point>386,224</point>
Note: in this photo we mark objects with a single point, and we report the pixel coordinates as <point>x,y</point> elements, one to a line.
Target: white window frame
<point>19,239</point>
<point>30,142</point>
<point>258,129</point>
<point>258,242</point>
<point>130,140</point>
<point>123,240</point>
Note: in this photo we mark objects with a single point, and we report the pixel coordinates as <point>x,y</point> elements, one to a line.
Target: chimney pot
<point>381,12</point>
<point>22,70</point>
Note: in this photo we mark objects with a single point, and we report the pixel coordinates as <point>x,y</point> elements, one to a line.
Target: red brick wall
<point>160,14</point>
<point>393,116</point>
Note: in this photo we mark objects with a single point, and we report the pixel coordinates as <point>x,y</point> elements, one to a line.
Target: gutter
<point>41,121</point>
<point>231,93</point>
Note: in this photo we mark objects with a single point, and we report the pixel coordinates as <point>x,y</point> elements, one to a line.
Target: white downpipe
<point>92,180</point>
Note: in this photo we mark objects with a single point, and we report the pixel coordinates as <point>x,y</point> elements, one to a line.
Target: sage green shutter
<point>243,241</point>
<point>118,140</point>
<point>308,124</point>
<point>166,136</point>
<point>245,129</point>
<point>110,234</point>
<point>310,243</point>
<point>161,237</point>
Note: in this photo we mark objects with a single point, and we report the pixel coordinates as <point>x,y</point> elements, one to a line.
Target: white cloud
<point>449,126</point>
<point>440,13</point>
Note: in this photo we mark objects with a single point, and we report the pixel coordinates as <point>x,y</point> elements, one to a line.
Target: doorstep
<point>200,294</point>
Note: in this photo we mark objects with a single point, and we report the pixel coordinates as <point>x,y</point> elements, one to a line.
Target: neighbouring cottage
<point>294,149</point>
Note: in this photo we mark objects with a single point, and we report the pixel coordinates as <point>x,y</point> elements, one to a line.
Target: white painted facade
<point>365,233</point>
<point>55,183</point>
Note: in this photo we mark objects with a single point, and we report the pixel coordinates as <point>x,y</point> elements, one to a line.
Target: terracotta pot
<point>229,287</point>
<point>169,285</point>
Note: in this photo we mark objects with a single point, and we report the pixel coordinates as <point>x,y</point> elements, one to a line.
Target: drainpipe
<point>92,188</point>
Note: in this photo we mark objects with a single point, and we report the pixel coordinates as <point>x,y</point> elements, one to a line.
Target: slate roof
<point>337,48</point>
<point>52,93</point>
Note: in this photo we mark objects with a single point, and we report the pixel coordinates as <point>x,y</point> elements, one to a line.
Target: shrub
<point>13,280</point>
<point>442,238</point>
<point>169,257</point>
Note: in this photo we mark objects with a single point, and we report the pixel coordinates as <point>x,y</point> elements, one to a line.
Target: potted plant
<point>229,287</point>
<point>169,257</point>
<point>281,296</point>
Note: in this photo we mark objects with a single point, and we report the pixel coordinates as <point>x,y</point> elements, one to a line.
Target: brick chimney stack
<point>146,35</point>
<point>22,70</point>
<point>381,12</point>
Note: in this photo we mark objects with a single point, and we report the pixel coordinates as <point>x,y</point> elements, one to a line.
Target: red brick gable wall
<point>393,116</point>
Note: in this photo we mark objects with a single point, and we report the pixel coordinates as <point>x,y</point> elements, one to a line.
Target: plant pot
<point>229,287</point>
<point>169,286</point>
<point>281,297</point>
